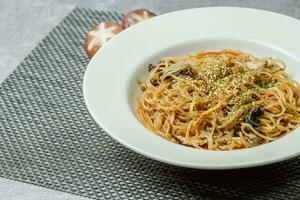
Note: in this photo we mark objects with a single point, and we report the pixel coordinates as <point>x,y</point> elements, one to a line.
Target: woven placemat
<point>47,137</point>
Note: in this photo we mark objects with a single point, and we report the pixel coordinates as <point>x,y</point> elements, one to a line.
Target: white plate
<point>110,89</point>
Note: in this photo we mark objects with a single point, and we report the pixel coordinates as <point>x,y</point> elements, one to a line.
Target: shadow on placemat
<point>48,138</point>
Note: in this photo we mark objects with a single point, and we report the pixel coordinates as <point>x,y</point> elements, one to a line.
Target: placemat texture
<point>48,138</point>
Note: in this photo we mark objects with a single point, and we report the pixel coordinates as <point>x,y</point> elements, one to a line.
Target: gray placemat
<point>48,138</point>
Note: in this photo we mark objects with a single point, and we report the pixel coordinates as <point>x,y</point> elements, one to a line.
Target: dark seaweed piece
<point>184,72</point>
<point>226,110</point>
<point>277,71</point>
<point>150,67</point>
<point>265,83</point>
<point>253,119</point>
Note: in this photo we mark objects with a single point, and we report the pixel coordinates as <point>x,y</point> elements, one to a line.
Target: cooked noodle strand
<point>219,100</point>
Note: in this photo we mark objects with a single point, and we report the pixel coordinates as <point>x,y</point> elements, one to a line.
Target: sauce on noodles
<point>219,100</point>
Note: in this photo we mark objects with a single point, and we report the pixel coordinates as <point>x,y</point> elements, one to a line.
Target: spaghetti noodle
<point>219,100</point>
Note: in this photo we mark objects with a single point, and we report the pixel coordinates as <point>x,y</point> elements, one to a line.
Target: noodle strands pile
<point>219,100</point>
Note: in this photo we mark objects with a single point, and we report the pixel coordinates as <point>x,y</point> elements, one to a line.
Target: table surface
<point>24,23</point>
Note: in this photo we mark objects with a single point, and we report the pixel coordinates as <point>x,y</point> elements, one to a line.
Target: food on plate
<point>99,35</point>
<point>220,100</point>
<point>137,16</point>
